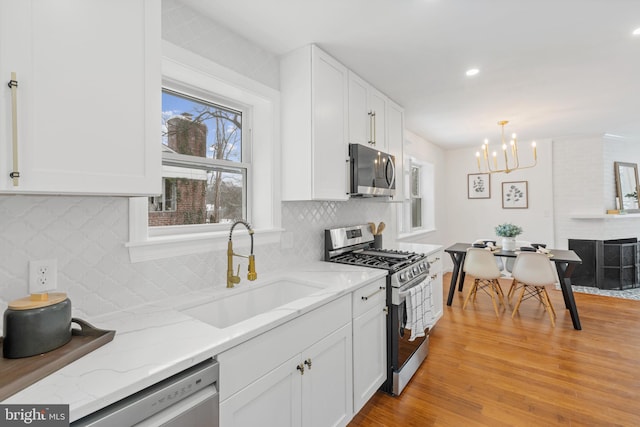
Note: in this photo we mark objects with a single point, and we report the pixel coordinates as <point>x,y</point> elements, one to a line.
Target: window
<point>252,164</point>
<point>416,197</point>
<point>204,172</point>
<point>417,213</point>
<point>166,202</point>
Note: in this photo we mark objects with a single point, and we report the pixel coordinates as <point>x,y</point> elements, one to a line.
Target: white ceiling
<point>553,68</point>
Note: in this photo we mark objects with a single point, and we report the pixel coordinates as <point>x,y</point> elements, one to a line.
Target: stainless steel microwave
<point>373,173</point>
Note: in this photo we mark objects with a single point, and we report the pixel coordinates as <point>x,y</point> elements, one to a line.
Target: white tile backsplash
<point>87,236</point>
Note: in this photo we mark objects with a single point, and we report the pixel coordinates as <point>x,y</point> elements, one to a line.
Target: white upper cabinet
<point>88,97</point>
<point>314,90</point>
<point>395,143</point>
<point>367,114</point>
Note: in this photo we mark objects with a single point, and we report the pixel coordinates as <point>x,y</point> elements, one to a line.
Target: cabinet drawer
<point>435,262</point>
<point>369,296</point>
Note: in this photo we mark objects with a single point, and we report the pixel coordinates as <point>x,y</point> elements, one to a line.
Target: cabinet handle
<point>308,363</point>
<point>13,85</point>
<point>386,310</point>
<point>382,288</point>
<point>371,131</point>
<point>374,128</point>
<point>300,368</point>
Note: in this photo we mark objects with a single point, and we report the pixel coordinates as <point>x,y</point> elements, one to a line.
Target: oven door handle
<point>405,291</point>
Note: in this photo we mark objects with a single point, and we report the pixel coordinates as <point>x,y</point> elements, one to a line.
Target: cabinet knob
<point>300,368</point>
<point>308,363</point>
<point>386,310</point>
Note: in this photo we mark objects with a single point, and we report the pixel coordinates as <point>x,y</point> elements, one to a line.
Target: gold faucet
<point>232,279</point>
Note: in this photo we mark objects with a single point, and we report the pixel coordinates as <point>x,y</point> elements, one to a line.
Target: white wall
<point>424,151</point>
<point>470,219</point>
<point>585,184</point>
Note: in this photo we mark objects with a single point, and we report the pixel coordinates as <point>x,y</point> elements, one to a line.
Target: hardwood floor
<point>488,371</point>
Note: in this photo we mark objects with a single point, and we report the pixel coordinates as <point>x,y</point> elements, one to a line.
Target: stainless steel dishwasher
<point>187,399</point>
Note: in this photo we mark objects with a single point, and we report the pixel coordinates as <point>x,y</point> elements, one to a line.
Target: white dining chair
<point>533,272</point>
<point>508,268</point>
<point>481,264</point>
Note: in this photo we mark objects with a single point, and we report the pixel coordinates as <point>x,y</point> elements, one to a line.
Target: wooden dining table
<point>565,261</point>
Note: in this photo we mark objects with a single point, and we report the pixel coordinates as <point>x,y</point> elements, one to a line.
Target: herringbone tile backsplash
<point>87,236</point>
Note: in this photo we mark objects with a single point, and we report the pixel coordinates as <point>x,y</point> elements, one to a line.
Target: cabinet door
<point>272,401</point>
<point>369,355</point>
<point>437,302</point>
<point>378,105</point>
<point>88,95</point>
<point>330,150</point>
<point>395,143</point>
<point>327,385</point>
<point>359,119</point>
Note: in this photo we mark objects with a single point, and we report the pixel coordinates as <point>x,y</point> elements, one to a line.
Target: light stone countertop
<point>157,340</point>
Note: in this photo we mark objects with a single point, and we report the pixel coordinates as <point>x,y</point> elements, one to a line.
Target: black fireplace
<point>607,264</point>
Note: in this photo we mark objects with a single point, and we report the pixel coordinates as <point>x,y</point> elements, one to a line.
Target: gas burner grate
<point>377,259</point>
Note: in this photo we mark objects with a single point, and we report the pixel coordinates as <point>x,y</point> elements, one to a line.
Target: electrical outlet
<point>43,276</point>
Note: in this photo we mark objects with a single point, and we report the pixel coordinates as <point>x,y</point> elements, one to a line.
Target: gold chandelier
<point>511,161</point>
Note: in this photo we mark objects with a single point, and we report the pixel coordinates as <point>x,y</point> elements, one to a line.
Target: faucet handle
<point>236,278</point>
<point>252,275</point>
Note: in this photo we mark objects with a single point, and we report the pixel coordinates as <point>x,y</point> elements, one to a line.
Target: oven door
<point>405,348</point>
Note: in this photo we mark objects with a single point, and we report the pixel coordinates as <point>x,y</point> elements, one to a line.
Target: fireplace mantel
<point>604,216</point>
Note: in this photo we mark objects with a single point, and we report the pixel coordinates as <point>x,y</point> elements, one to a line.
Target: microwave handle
<point>393,171</point>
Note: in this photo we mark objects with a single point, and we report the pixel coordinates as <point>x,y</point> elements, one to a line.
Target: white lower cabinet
<point>435,270</point>
<point>273,400</point>
<point>313,387</point>
<point>326,381</point>
<point>369,342</point>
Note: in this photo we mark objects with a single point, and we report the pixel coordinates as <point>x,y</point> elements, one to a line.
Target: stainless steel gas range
<point>354,245</point>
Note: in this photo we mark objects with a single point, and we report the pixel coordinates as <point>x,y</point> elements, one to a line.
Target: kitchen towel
<point>418,308</point>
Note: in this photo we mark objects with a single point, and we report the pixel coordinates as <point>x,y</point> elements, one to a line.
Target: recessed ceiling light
<point>636,32</point>
<point>472,72</point>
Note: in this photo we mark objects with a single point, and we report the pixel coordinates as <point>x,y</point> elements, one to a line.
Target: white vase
<point>508,243</point>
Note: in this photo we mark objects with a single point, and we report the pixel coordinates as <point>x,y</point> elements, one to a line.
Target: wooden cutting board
<point>17,374</point>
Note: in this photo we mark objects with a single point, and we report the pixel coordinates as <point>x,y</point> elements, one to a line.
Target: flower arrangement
<point>508,230</point>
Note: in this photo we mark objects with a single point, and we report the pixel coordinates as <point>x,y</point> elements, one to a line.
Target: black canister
<point>36,328</point>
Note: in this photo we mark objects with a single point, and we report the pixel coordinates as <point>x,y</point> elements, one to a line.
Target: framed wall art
<point>479,186</point>
<point>515,195</point>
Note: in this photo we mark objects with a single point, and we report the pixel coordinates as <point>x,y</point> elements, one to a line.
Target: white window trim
<point>427,171</point>
<point>189,69</point>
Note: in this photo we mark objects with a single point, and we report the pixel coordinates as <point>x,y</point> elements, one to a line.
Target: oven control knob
<point>415,270</point>
<point>402,277</point>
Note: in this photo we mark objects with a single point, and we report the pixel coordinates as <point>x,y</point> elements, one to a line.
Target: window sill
<point>161,247</point>
<point>414,234</point>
